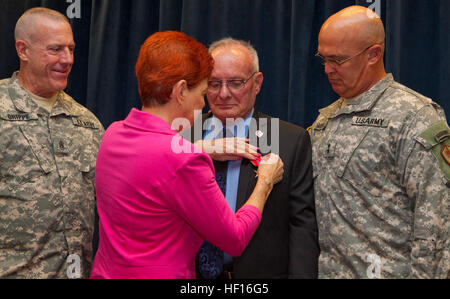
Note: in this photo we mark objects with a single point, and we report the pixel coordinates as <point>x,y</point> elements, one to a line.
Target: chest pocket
<point>75,151</point>
<point>88,153</point>
<point>364,160</point>
<point>87,163</point>
<point>25,157</point>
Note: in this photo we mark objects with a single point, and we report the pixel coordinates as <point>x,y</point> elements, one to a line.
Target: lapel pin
<point>259,134</point>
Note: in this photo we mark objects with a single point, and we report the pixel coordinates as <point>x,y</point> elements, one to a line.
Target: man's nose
<point>224,91</point>
<point>66,56</point>
<point>329,69</point>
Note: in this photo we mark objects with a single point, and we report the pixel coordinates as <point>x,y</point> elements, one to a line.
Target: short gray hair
<point>26,21</point>
<point>228,41</point>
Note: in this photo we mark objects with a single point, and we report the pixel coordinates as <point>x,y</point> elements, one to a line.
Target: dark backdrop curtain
<point>284,32</point>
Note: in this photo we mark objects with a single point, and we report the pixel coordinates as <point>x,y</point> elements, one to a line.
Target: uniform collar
<point>364,102</point>
<point>23,102</point>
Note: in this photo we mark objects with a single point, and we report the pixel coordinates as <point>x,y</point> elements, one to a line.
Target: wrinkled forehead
<point>344,36</point>
<point>46,31</point>
<point>232,60</point>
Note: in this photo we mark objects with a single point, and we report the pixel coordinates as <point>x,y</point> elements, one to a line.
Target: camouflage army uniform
<point>382,198</point>
<point>47,198</point>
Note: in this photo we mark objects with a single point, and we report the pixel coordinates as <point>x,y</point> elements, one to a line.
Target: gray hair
<point>28,20</point>
<point>228,41</point>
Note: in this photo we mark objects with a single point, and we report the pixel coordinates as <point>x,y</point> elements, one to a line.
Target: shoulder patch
<point>436,134</point>
<point>446,153</point>
<point>438,137</point>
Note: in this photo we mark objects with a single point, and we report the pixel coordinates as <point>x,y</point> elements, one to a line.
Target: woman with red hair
<point>157,205</point>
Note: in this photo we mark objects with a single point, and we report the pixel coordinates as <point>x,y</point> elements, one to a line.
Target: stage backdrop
<point>109,33</point>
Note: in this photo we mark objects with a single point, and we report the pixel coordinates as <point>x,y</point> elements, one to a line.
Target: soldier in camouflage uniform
<point>48,149</point>
<point>381,159</point>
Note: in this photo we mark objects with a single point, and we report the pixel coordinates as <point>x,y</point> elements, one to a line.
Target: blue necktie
<point>209,260</point>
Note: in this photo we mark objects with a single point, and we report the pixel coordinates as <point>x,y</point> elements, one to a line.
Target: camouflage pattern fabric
<point>382,198</point>
<point>47,196</point>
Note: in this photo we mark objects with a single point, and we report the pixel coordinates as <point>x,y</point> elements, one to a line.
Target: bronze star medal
<point>446,153</point>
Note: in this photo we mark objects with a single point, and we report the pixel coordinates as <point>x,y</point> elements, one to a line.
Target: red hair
<point>167,58</point>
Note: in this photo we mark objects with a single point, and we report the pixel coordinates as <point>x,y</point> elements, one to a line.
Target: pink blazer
<point>156,206</point>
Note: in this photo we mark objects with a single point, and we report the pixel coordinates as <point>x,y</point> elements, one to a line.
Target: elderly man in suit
<point>286,244</point>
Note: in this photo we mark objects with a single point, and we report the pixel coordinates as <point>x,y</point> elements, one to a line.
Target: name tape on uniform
<point>84,123</point>
<point>370,122</point>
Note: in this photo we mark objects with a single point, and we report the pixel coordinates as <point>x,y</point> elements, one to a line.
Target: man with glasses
<point>285,245</point>
<point>381,157</point>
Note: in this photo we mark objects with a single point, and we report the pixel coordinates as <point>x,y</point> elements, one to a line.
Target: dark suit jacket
<point>286,243</point>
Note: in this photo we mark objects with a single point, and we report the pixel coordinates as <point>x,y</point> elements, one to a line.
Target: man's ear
<point>375,54</point>
<point>21,48</point>
<point>179,91</point>
<point>259,78</point>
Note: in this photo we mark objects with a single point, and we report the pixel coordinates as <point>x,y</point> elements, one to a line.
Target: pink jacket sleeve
<point>199,201</point>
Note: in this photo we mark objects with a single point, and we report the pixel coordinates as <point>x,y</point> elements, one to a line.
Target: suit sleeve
<point>205,208</point>
<point>303,235</point>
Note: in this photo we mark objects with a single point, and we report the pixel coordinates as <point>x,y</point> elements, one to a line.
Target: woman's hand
<point>229,149</point>
<point>271,170</point>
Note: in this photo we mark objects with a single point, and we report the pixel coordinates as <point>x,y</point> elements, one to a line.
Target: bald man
<point>48,149</point>
<point>381,157</point>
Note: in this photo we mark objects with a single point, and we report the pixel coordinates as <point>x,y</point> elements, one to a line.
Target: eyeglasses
<point>338,62</point>
<point>234,85</point>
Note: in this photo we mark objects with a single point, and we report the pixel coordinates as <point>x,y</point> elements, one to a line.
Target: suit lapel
<point>247,182</point>
<point>247,179</point>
